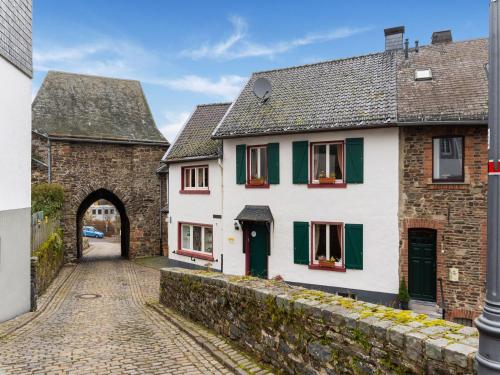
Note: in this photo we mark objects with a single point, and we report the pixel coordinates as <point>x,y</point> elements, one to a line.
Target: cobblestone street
<point>114,333</point>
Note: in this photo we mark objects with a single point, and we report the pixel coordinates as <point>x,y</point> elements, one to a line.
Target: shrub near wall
<point>50,257</point>
<point>301,331</point>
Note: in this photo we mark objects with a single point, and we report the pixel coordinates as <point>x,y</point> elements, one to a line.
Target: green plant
<point>47,198</point>
<point>403,294</point>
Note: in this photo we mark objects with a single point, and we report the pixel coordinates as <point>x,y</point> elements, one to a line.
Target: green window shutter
<point>300,162</point>
<point>354,246</point>
<point>241,164</point>
<point>300,242</point>
<point>273,163</point>
<point>354,160</point>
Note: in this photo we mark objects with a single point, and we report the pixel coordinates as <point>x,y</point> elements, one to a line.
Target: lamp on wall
<point>236,225</point>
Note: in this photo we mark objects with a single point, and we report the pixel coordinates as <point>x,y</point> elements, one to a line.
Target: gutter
<point>444,122</point>
<point>192,158</point>
<point>103,140</point>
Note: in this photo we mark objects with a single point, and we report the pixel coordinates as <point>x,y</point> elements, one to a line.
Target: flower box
<point>326,263</point>
<point>256,182</point>
<point>326,180</point>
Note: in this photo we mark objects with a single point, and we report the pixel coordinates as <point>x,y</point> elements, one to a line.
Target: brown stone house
<point>442,114</point>
<point>97,138</point>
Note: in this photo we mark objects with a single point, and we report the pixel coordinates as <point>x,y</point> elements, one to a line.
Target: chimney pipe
<point>394,38</point>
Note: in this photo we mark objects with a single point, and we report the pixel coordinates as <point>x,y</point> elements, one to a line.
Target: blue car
<point>92,232</point>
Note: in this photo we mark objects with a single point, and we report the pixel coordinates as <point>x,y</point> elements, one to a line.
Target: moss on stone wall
<point>50,257</point>
<point>306,331</point>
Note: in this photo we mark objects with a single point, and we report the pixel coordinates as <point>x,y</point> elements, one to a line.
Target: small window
<point>99,212</point>
<point>196,238</point>
<point>195,178</point>
<point>106,212</point>
<point>112,211</point>
<point>93,212</point>
<point>258,165</point>
<point>327,242</point>
<point>327,163</point>
<point>448,159</point>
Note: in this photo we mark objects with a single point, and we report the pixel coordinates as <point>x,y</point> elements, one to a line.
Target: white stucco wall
<point>15,139</point>
<point>15,190</point>
<point>373,204</point>
<point>195,208</point>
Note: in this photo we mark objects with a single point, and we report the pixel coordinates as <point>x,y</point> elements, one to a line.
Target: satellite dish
<point>262,88</point>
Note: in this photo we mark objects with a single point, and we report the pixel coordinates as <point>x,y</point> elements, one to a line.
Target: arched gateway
<point>96,137</point>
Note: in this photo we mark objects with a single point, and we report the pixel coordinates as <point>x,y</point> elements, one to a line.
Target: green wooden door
<point>422,264</point>
<point>258,250</point>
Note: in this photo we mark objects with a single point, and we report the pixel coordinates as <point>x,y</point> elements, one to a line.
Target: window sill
<point>263,186</point>
<point>334,186</point>
<point>441,185</point>
<point>334,269</point>
<point>194,254</point>
<point>205,192</point>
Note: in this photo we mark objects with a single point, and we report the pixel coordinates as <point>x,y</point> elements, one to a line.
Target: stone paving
<point>113,334</point>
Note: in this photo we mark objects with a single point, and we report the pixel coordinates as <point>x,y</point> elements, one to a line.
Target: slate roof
<point>82,106</point>
<point>255,213</point>
<point>346,93</point>
<point>458,90</point>
<point>15,34</point>
<point>194,140</point>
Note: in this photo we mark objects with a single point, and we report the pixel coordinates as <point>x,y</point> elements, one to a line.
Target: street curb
<point>209,347</point>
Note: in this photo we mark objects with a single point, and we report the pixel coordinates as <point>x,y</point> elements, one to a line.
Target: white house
<point>15,155</point>
<point>310,177</point>
<point>103,212</point>
<point>195,190</point>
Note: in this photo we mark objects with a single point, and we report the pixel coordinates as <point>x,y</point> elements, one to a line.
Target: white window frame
<point>315,261</point>
<point>260,149</point>
<point>191,238</point>
<point>196,169</point>
<point>327,154</point>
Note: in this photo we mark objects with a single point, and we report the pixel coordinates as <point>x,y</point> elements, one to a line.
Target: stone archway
<point>119,205</point>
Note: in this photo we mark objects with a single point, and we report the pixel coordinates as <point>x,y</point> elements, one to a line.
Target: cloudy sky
<point>192,52</point>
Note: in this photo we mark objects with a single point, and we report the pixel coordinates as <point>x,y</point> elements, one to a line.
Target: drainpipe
<point>160,176</point>
<point>488,324</point>
<point>49,161</point>
<point>221,166</point>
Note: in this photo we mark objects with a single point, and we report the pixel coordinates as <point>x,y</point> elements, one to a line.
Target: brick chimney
<point>441,37</point>
<point>394,38</point>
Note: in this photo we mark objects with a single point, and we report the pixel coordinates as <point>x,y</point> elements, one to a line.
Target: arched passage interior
<point>113,199</point>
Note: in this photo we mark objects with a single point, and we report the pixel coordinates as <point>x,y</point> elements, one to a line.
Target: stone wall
<point>39,151</point>
<point>126,170</point>
<point>302,331</point>
<point>456,211</point>
<point>46,262</point>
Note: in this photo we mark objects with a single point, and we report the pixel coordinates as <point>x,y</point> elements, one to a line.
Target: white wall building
<point>195,190</point>
<point>15,158</point>
<point>103,212</point>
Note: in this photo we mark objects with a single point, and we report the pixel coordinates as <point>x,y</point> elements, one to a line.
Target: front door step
<point>425,307</point>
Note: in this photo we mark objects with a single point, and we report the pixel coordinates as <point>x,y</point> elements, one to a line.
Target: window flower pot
<point>326,180</point>
<point>326,263</point>
<point>256,182</point>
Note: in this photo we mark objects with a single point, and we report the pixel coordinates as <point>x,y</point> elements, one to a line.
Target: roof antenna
<point>416,46</point>
<point>407,44</point>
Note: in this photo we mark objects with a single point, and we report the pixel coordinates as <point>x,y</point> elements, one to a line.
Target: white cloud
<point>125,59</point>
<point>106,56</point>
<point>227,86</point>
<point>238,45</point>
<point>172,124</point>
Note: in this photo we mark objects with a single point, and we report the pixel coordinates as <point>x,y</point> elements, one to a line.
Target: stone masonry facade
<point>457,211</point>
<point>126,170</point>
